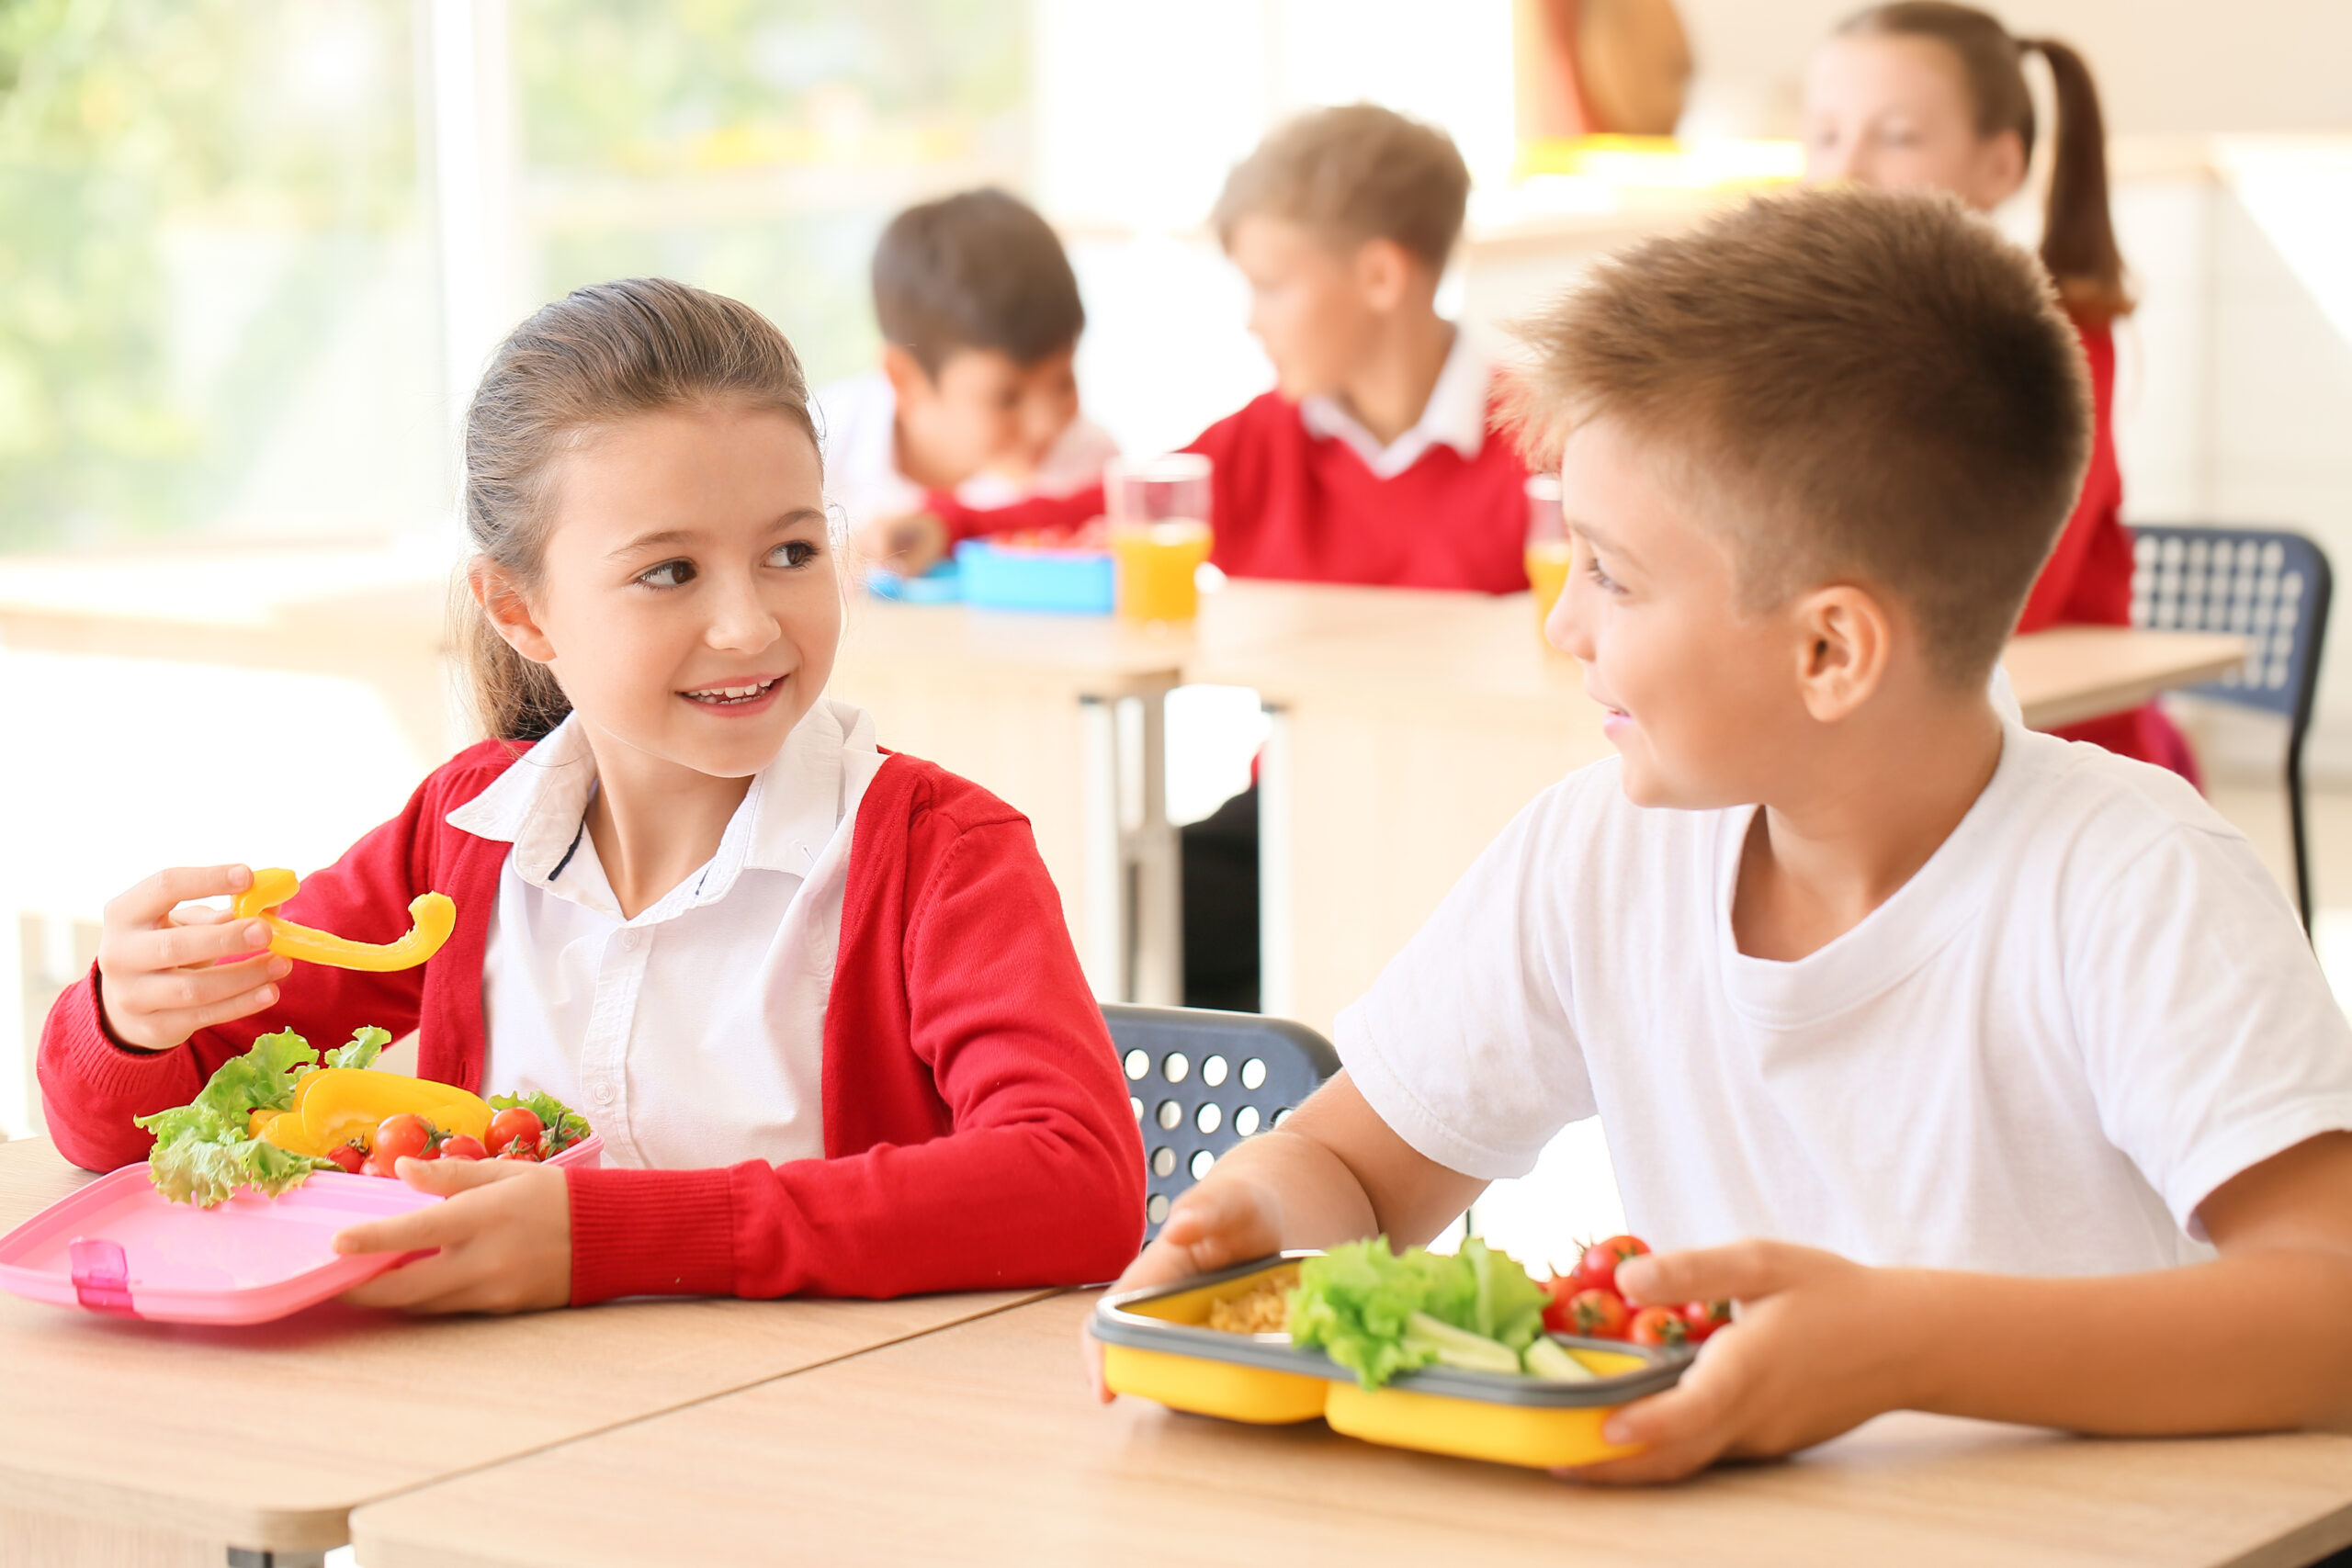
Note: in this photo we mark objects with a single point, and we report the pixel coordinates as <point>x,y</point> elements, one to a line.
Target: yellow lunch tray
<point>1157,1344</point>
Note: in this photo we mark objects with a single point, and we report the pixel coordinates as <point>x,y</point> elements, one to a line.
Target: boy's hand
<point>908,546</point>
<point>1213,1226</point>
<point>165,973</point>
<point>1820,1345</point>
<point>505,1236</point>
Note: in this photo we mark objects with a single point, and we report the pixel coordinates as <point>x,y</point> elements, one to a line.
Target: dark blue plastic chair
<point>2269,585</point>
<point>1200,1082</point>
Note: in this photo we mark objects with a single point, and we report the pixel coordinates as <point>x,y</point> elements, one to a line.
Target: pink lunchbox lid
<point>119,1246</point>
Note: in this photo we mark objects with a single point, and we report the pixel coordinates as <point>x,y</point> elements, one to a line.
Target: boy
<point>1990,1074</point>
<point>980,317</point>
<point>1372,460</point>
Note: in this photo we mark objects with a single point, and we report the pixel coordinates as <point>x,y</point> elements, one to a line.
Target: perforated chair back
<point>1200,1081</point>
<point>2271,586</point>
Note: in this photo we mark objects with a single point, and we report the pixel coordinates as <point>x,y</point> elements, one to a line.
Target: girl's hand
<point>165,973</point>
<point>505,1236</point>
<point>1820,1345</point>
<point>1213,1226</point>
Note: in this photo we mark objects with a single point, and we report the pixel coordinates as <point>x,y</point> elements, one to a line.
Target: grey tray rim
<point>1114,1323</point>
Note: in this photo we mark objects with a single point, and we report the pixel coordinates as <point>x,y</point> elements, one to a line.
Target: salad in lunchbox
<point>268,1119</point>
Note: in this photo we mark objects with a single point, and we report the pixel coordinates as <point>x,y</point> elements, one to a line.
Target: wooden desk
<point>980,1445</point>
<point>129,1443</point>
<point>1402,749</point>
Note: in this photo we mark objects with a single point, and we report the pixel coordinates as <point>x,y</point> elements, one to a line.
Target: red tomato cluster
<point>515,1132</point>
<point>1585,1301</point>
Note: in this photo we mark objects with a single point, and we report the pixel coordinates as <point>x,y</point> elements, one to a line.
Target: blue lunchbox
<point>1078,582</point>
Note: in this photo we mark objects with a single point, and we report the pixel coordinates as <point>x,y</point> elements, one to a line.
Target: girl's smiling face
<point>686,598</point>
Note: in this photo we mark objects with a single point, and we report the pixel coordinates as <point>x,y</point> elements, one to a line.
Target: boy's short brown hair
<point>1863,384</point>
<point>1351,174</point>
<point>979,269</point>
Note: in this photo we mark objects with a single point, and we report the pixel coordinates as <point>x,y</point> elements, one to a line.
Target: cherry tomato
<point>1597,1267</point>
<point>1658,1325</point>
<point>406,1135</point>
<point>1703,1318</point>
<point>1561,1288</point>
<point>517,1121</point>
<point>372,1168</point>
<point>460,1145</point>
<point>1597,1314</point>
<point>350,1158</point>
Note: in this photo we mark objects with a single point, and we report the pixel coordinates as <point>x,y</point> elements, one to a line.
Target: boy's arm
<point>1333,1172</point>
<point>2258,1340</point>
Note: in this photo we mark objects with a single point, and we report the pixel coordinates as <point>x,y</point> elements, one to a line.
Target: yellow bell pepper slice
<point>432,915</point>
<point>342,1103</point>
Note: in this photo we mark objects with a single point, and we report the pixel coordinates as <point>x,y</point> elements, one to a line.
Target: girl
<point>817,997</point>
<point>1925,93</point>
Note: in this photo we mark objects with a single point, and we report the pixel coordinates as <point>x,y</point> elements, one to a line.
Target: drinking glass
<point>1158,510</point>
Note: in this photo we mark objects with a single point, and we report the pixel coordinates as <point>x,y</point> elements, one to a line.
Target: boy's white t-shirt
<point>2091,1008</point>
<point>857,430</point>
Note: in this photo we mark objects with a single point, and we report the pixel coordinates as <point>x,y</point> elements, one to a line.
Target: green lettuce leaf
<point>564,1125</point>
<point>203,1152</point>
<point>367,1044</point>
<point>1380,1313</point>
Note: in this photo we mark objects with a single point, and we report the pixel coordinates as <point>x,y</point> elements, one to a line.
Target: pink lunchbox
<point>119,1246</point>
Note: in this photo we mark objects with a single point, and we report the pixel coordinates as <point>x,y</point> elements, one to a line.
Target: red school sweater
<point>978,1134</point>
<point>1293,506</point>
<point>2087,580</point>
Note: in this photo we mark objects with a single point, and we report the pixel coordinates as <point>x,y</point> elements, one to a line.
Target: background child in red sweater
<point>1930,94</point>
<point>819,999</point>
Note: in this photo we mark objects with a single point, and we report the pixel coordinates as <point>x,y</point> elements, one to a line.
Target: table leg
<point>1155,853</point>
<point>1277,893</point>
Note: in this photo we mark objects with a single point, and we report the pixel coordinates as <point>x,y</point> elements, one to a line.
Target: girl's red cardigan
<point>978,1134</point>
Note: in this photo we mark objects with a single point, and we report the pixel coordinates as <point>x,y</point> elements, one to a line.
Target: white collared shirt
<point>857,423</point>
<point>1455,415</point>
<point>692,1035</point>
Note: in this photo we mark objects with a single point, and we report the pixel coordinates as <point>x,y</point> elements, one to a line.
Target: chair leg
<point>2295,822</point>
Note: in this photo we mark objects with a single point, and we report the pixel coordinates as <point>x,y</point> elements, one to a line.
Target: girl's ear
<point>1848,640</point>
<point>509,614</point>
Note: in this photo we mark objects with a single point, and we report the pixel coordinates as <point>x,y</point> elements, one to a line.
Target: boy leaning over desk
<point>1990,1074</point>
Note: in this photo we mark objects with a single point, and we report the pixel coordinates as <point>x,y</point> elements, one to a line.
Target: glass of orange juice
<point>1547,544</point>
<point>1159,534</point>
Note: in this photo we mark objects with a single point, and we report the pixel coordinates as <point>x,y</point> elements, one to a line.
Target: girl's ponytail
<point>2077,231</point>
<point>600,354</point>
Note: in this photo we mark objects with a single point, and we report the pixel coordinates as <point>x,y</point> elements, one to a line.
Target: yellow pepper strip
<point>339,1104</point>
<point>434,917</point>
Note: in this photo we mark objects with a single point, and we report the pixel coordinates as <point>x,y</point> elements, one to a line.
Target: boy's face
<point>1701,692</point>
<point>982,411</point>
<point>1316,309</point>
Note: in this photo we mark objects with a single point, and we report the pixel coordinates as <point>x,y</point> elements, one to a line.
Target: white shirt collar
<point>1455,415</point>
<point>794,806</point>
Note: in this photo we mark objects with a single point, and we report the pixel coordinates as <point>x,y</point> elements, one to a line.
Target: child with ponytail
<point>1924,94</point>
<point>817,997</point>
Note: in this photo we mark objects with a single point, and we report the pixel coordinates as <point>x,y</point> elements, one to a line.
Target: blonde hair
<point>1863,383</point>
<point>601,354</point>
<point>1350,174</point>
